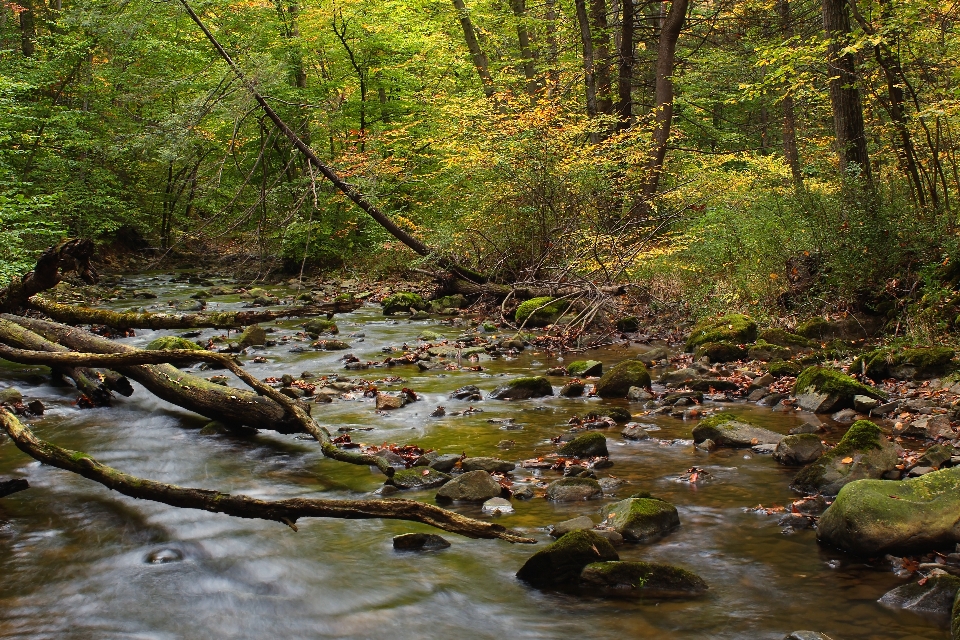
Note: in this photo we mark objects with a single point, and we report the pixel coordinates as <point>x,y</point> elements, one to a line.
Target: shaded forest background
<point>771,156</point>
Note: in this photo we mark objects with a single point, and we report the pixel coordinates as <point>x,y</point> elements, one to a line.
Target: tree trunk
<point>663,95</point>
<point>586,41</point>
<point>68,255</point>
<point>480,61</point>
<point>844,94</point>
<point>28,29</point>
<point>523,37</point>
<point>9,486</point>
<point>625,71</point>
<point>551,20</point>
<point>790,152</point>
<point>601,47</point>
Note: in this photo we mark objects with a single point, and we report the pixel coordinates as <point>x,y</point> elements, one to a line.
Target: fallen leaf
<point>847,460</point>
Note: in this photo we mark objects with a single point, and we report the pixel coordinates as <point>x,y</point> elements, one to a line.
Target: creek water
<point>80,561</point>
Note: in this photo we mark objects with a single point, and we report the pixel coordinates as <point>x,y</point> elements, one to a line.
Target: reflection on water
<point>79,561</point>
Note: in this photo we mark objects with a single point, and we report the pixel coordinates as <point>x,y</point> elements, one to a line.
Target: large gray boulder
<point>933,596</point>
<point>523,389</point>
<point>862,453</point>
<point>823,390</point>
<point>725,430</point>
<point>641,519</point>
<point>473,486</point>
<point>487,464</point>
<point>799,449</point>
<point>573,489</point>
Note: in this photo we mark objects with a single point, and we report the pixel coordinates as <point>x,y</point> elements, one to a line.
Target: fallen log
<point>71,314</point>
<point>241,506</point>
<point>69,255</point>
<point>10,486</point>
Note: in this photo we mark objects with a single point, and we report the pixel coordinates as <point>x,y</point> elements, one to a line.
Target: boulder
<point>11,395</point>
<point>874,517</point>
<point>388,403</point>
<point>641,580</point>
<point>487,464</point>
<point>167,343</point>
<point>933,595</point>
<point>419,542</point>
<point>540,312</point>
<point>321,325</point>
<point>523,388</point>
<point>418,478</point>
<point>562,561</point>
<point>473,486</point>
<point>783,338</point>
<point>469,392</point>
<point>862,453</point>
<point>253,336</point>
<point>720,352</point>
<point>798,450</point>
<point>616,382</point>
<point>619,415</point>
<point>575,524</point>
<point>586,445</point>
<point>929,426</point>
<point>573,390</point>
<point>904,364</point>
<point>726,431</point>
<point>641,519</point>
<point>639,394</point>
<point>935,456</point>
<point>823,390</point>
<point>734,328</point>
<point>585,368</point>
<point>573,489</point>
<point>765,352</point>
<point>654,356</point>
<point>497,506</point>
<point>634,432</point>
<point>402,302</point>
<point>782,368</point>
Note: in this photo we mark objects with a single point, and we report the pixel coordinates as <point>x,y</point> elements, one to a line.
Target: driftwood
<point>284,511</point>
<point>9,486</point>
<point>71,314</point>
<point>69,255</point>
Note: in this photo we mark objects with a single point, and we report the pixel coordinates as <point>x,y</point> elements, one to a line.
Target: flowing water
<point>75,558</point>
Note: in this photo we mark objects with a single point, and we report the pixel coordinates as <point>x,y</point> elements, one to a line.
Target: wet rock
<point>585,368</point>
<point>823,390</point>
<point>654,356</point>
<point>634,431</point>
<point>733,328</point>
<point>573,489</point>
<point>321,325</point>
<point>444,462</point>
<point>523,493</point>
<point>845,416</point>
<point>641,519</point>
<point>394,459</point>
<point>807,427</point>
<point>473,486</point>
<point>523,389</point>
<point>293,392</point>
<point>418,478</point>
<point>862,453</point>
<point>470,393</point>
<point>610,484</point>
<point>773,399</point>
<point>928,426</point>
<point>487,464</point>
<point>12,396</point>
<point>720,352</point>
<point>419,542</point>
<point>617,381</point>
<point>679,376</point>
<point>497,506</point>
<point>639,394</point>
<point>807,635</point>
<point>585,446</point>
<point>619,415</point>
<point>572,390</point>
<point>711,385</point>
<point>253,336</point>
<point>35,406</point>
<point>872,517</point>
<point>556,371</point>
<point>167,343</point>
<point>934,597</point>
<point>935,456</point>
<point>865,403</point>
<point>388,403</point>
<point>164,556</point>
<point>641,580</point>
<point>402,302</point>
<point>726,431</point>
<point>798,450</point>
<point>562,561</point>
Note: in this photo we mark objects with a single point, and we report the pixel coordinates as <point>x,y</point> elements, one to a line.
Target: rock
<point>330,345</point>
<point>845,416</point>
<point>321,325</point>
<point>497,506</point>
<point>12,396</point>
<point>394,459</point>
<point>712,385</point>
<point>402,302</point>
<point>641,519</point>
<point>443,303</point>
<point>444,462</point>
<point>610,484</point>
<point>616,382</point>
<point>473,486</point>
<point>823,390</point>
<point>585,368</point>
<point>540,312</point>
<point>387,403</point>
<point>865,403</point>
<point>850,328</point>
<point>586,445</point>
<point>784,368</point>
<point>428,336</point>
<point>765,352</point>
<point>783,338</point>
<point>862,453</point>
<point>935,456</point>
<point>35,406</point>
<point>654,356</point>
<point>575,524</point>
<point>523,493</point>
<point>619,415</point>
<point>797,450</point>
<point>641,580</point>
<point>487,464</point>
<point>874,517</point>
<point>419,542</point>
<point>726,431</point>
<point>935,596</point>
<point>906,364</point>
<point>807,635</point>
<point>573,489</point>
<point>720,352</point>
<point>167,343</point>
<point>573,390</point>
<point>164,556</point>
<point>639,394</point>
<point>418,478</point>
<point>562,561</point>
<point>293,392</point>
<point>679,376</point>
<point>634,431</point>
<point>523,388</point>
<point>470,393</point>
<point>930,426</point>
<point>733,328</point>
<point>253,336</point>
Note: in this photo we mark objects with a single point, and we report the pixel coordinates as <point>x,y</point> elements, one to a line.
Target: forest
<point>650,306</point>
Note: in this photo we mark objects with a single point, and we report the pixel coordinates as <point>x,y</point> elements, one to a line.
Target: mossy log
<point>71,314</point>
<point>284,511</point>
<point>9,486</point>
<point>69,255</point>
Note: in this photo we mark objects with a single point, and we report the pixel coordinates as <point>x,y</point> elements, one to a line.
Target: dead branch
<point>69,255</point>
<point>10,486</point>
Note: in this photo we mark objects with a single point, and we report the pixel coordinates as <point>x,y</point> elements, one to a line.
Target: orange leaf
<point>847,460</point>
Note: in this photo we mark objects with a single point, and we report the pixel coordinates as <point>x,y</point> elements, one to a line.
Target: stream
<point>80,561</point>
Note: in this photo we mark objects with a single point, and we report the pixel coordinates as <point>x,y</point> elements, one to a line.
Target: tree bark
<point>284,511</point>
<point>480,61</point>
<point>69,255</point>
<point>663,95</point>
<point>523,37</point>
<point>9,486</point>
<point>790,151</point>
<point>28,29</point>
<point>601,47</point>
<point>844,94</point>
<point>586,41</point>
<point>625,70</point>
<point>551,19</point>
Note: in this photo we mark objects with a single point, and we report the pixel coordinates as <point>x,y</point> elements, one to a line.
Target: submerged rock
<point>823,390</point>
<point>473,486</point>
<point>418,478</point>
<point>585,446</point>
<point>564,560</point>
<point>617,382</point>
<point>862,453</point>
<point>873,517</point>
<point>523,388</point>
<point>573,489</point>
<point>497,506</point>
<point>642,580</point>
<point>799,449</point>
<point>641,519</point>
<point>934,596</point>
<point>419,542</point>
<point>487,464</point>
<point>725,430</point>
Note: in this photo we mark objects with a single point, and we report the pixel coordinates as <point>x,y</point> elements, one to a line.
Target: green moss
<point>815,328</point>
<point>77,456</point>
<point>448,302</point>
<point>532,383</point>
<point>619,415</point>
<point>765,351</point>
<point>321,325</point>
<point>580,368</point>
<point>734,328</point>
<point>585,446</point>
<point>716,420</point>
<point>167,343</point>
<point>784,338</point>
<point>344,297</point>
<point>781,368</point>
<point>862,435</point>
<point>563,560</point>
<point>641,519</point>
<point>921,362</point>
<point>551,311</point>
<point>628,324</point>
<point>720,352</point>
<point>402,302</point>
<point>658,579</point>
<point>617,382</point>
<point>832,382</point>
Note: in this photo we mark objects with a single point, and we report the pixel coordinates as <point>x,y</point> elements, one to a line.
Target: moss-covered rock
<point>402,302</point>
<point>726,430</point>
<point>473,486</point>
<point>955,618</point>
<point>253,336</point>
<point>720,352</point>
<point>531,313</point>
<point>321,325</point>
<point>734,328</point>
<point>585,368</point>
<point>824,390</point>
<point>574,489</point>
<point>428,336</point>
<point>330,345</point>
<point>783,338</point>
<point>873,517</point>
<point>862,453</point>
<point>585,446</point>
<point>905,364</point>
<point>166,343</point>
<point>642,580</point>
<point>442,303</point>
<point>523,388</point>
<point>628,324</point>
<point>619,415</point>
<point>616,382</point>
<point>798,449</point>
<point>932,596</point>
<point>765,351</point>
<point>418,478</point>
<point>782,368</point>
<point>564,560</point>
<point>641,519</point>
